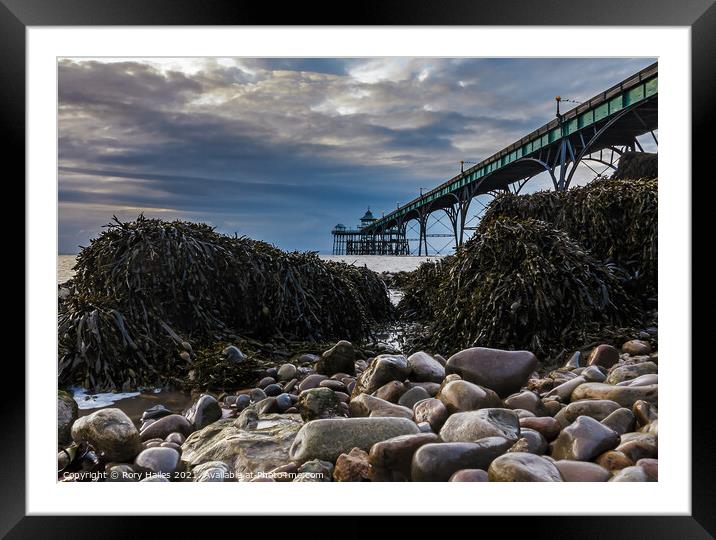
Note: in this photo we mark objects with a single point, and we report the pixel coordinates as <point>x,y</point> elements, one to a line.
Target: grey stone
<point>263,383</point>
<point>424,368</point>
<point>328,439</point>
<point>462,396</point>
<point>469,475</point>
<point>212,471</point>
<point>437,462</point>
<point>523,467</point>
<point>391,391</point>
<point>581,471</point>
<point>630,474</point>
<point>473,425</point>
<point>382,369</point>
<point>242,402</point>
<point>257,395</point>
<point>273,390</point>
<point>391,459</point>
<point>598,409</point>
<point>563,391</point>
<point>621,421</point>
<point>318,403</point>
<point>603,355</point>
<point>110,432</point>
<point>155,412</point>
<point>504,372</point>
<point>631,371</point>
<point>158,460</point>
<point>287,372</point>
<point>584,440</point>
<point>267,406</point>
<point>594,374</point>
<point>412,396</point>
<point>636,347</point>
<point>246,450</point>
<point>204,411</point>
<point>339,359</point>
<point>234,354</point>
<point>641,380</point>
<point>574,360</point>
<point>315,470</point>
<point>432,411</point>
<point>536,443</point>
<point>312,381</point>
<point>626,396</point>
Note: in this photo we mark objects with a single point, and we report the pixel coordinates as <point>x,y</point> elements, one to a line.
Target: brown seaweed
<point>615,219</point>
<point>144,288</point>
<point>520,284</point>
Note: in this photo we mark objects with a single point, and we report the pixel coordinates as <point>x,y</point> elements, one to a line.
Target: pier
<point>598,131</point>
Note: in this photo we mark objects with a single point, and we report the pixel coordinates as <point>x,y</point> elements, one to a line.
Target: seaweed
<point>615,219</point>
<point>637,165</point>
<point>522,284</point>
<point>421,288</point>
<point>145,289</point>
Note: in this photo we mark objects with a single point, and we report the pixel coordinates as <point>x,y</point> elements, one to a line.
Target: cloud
<point>282,149</point>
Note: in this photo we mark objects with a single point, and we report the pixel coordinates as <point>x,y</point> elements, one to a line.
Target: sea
<point>377,263</point>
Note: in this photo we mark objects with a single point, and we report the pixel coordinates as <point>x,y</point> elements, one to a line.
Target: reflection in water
<point>133,404</point>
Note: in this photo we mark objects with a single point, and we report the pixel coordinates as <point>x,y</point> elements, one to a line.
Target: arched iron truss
<point>596,142</point>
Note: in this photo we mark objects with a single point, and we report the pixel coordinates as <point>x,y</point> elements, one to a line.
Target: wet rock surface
<point>110,432</point>
<point>392,459</point>
<point>383,369</point>
<point>504,372</point>
<point>437,462</point>
<point>523,467</point>
<point>328,439</point>
<point>205,411</point>
<point>394,418</point>
<point>67,413</point>
<point>339,359</point>
<point>462,396</point>
<point>584,440</point>
<point>474,425</point>
<point>246,450</point>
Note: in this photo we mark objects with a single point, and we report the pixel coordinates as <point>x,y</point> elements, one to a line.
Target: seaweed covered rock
<point>637,165</point>
<point>522,284</point>
<point>421,288</point>
<point>615,219</point>
<point>144,289</point>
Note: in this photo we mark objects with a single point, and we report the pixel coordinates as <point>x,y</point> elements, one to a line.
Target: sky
<point>283,149</point>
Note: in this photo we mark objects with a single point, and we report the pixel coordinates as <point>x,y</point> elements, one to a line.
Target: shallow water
<point>382,263</point>
<point>65,265</point>
<point>133,404</point>
<point>98,401</point>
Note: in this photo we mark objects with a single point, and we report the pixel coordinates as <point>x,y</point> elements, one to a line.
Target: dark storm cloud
<point>282,149</point>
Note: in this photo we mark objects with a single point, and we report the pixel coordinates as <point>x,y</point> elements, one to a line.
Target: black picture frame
<point>699,15</point>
